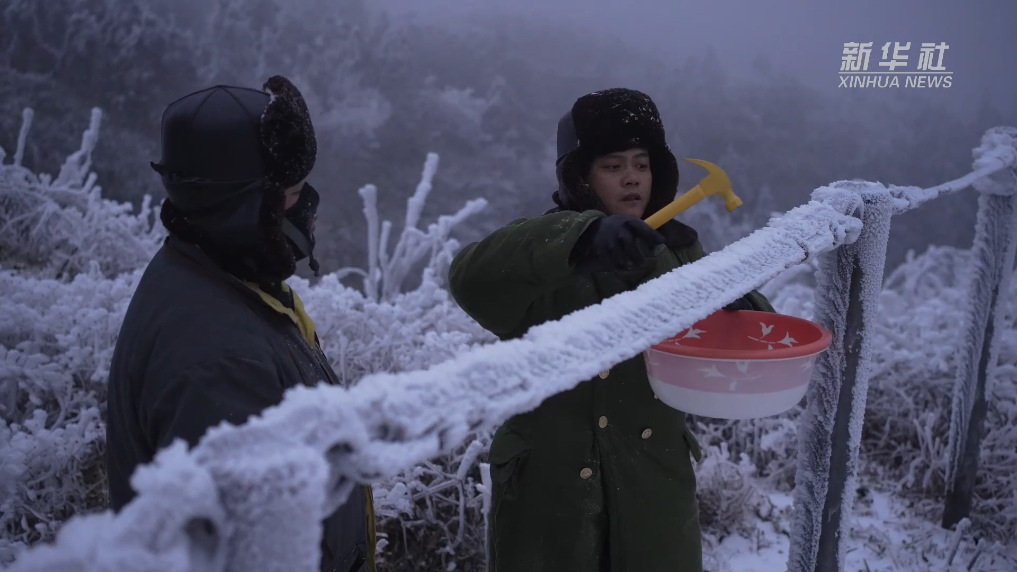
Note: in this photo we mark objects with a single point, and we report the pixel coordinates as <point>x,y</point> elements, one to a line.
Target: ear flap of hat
<point>287,134</point>
<point>573,192</point>
<point>571,166</point>
<point>567,140</point>
<point>664,167</point>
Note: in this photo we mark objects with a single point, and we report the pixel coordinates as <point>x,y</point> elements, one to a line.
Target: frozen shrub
<point>430,515</point>
<point>57,227</point>
<point>728,495</point>
<point>56,340</point>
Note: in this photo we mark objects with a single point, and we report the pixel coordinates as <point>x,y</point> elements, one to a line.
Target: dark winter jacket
<point>198,347</point>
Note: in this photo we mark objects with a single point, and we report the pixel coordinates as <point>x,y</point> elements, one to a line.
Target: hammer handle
<point>675,207</point>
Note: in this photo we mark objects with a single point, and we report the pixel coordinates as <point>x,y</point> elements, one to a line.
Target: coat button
<point>602,422</point>
<point>586,473</point>
<point>647,433</point>
<point>605,373</point>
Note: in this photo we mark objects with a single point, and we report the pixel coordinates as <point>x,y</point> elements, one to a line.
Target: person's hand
<point>615,242</point>
<point>739,304</point>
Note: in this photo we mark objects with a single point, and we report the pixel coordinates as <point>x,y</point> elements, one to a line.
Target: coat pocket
<point>507,457</point>
<point>694,449</point>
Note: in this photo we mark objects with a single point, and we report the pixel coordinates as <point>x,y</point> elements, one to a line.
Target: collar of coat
<point>297,313</point>
<point>299,316</point>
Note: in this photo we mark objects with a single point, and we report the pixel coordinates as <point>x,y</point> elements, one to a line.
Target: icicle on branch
<point>26,125</point>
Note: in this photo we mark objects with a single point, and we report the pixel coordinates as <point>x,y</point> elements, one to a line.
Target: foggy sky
<point>804,38</point>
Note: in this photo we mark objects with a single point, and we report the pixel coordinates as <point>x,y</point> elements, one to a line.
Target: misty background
<point>749,86</point>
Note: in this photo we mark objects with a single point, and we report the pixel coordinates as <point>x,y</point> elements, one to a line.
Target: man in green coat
<point>598,478</point>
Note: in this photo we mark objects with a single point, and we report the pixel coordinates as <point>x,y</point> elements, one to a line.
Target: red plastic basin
<point>737,365</point>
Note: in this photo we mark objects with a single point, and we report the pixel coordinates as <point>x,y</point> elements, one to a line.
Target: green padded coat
<point>600,477</point>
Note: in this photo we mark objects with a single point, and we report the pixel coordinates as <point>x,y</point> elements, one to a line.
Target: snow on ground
<point>886,536</point>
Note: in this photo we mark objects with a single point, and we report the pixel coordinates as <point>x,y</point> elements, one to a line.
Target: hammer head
<point>717,183</point>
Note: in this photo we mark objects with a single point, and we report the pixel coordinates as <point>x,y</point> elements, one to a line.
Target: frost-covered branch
<point>995,155</point>
<point>60,227</point>
<point>386,273</point>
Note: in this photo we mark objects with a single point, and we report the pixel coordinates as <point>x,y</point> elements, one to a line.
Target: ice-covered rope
<point>391,421</point>
<point>995,154</point>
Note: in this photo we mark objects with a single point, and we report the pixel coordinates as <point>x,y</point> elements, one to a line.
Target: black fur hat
<point>605,122</point>
<point>228,155</point>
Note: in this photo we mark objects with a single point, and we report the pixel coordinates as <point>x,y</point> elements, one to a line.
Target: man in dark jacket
<point>213,333</point>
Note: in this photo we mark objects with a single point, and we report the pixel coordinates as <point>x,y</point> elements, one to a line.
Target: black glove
<point>615,242</point>
<point>742,303</point>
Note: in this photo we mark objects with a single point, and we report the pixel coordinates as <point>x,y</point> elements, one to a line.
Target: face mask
<point>297,226</point>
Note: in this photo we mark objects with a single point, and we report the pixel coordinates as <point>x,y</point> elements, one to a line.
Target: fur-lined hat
<point>228,155</point>
<point>606,122</point>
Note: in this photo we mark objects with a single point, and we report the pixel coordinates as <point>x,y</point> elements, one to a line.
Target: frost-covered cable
<point>995,154</point>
